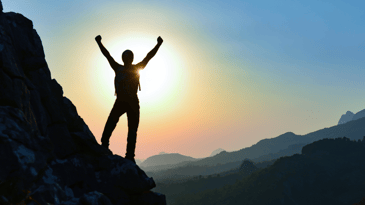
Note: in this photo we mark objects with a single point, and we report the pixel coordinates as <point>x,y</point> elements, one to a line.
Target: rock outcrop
<point>48,153</point>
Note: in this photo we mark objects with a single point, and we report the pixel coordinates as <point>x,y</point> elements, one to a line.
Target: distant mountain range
<point>351,116</point>
<point>267,149</point>
<point>311,155</point>
<point>328,171</point>
<point>353,130</point>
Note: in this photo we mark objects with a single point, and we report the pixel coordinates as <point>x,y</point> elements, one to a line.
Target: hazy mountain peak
<point>217,151</point>
<point>349,116</point>
<point>346,117</point>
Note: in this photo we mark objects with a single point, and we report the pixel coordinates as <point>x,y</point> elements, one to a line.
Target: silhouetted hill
<point>290,150</point>
<point>48,153</point>
<point>217,151</point>
<point>166,159</point>
<point>191,170</point>
<point>176,188</point>
<point>180,185</point>
<point>329,171</point>
<point>187,171</point>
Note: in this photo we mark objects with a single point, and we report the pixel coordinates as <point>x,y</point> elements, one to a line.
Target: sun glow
<point>158,80</point>
<point>155,79</point>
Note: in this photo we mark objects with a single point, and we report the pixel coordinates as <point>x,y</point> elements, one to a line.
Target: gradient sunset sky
<point>228,74</point>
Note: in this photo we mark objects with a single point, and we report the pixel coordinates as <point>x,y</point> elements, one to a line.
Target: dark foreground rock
<point>48,155</point>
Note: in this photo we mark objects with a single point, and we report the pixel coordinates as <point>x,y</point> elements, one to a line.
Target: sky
<point>228,74</point>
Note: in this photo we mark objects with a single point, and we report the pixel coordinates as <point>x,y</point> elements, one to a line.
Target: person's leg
<point>133,121</point>
<point>118,109</point>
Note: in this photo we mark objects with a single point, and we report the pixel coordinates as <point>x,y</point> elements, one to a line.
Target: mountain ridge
<point>226,161</point>
<point>270,142</point>
<point>354,130</point>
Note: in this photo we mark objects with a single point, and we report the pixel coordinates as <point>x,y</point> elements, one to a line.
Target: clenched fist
<point>159,40</point>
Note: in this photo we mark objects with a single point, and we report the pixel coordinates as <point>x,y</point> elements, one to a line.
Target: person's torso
<point>126,81</point>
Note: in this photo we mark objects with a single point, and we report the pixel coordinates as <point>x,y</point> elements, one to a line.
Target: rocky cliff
<point>48,154</point>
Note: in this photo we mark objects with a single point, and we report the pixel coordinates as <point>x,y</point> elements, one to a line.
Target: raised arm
<point>150,55</point>
<point>106,53</point>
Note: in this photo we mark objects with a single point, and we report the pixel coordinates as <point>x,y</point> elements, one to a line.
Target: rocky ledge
<point>48,154</point>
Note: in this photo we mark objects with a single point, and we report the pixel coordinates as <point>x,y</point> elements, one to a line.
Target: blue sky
<point>254,69</point>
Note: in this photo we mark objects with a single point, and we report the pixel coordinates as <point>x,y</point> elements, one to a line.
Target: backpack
<point>126,81</point>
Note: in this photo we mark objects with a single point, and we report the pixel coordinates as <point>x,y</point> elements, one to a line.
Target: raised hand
<point>98,38</point>
<point>159,40</point>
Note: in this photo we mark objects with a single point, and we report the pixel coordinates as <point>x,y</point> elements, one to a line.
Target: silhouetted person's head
<point>127,57</point>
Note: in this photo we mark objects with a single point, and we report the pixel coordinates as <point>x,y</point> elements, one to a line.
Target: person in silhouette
<point>126,83</point>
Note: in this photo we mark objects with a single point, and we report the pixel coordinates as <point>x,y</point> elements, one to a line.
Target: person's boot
<point>131,146</point>
<point>131,158</point>
<point>130,151</point>
<point>106,145</point>
<point>130,155</point>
